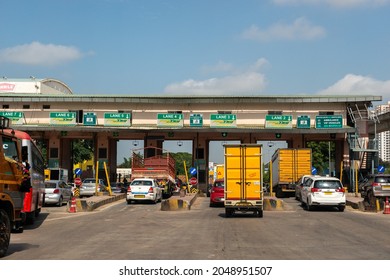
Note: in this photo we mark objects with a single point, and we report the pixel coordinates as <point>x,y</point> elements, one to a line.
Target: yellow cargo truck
<point>243,179</point>
<point>288,165</point>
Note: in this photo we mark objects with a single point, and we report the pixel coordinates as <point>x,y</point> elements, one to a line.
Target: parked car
<point>217,193</point>
<point>57,192</point>
<point>145,189</point>
<point>88,187</point>
<point>375,186</point>
<point>323,191</point>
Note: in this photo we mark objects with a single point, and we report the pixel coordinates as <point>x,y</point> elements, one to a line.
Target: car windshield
<point>143,183</point>
<point>327,184</point>
<point>50,185</point>
<point>382,179</point>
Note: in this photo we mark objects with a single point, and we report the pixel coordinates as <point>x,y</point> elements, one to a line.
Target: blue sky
<point>242,47</point>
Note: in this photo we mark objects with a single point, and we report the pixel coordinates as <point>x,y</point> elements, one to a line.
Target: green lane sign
<point>63,118</point>
<point>117,119</point>
<point>223,120</point>
<point>89,119</point>
<point>303,122</point>
<point>15,117</point>
<point>196,120</point>
<point>329,121</point>
<point>170,120</point>
<point>278,121</point>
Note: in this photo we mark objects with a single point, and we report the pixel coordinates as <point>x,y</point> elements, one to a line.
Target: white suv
<point>323,191</point>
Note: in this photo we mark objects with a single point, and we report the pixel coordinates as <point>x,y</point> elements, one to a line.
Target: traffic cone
<point>73,207</point>
<point>387,207</point>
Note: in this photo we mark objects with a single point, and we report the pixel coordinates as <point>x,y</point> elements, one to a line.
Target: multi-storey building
<point>384,137</point>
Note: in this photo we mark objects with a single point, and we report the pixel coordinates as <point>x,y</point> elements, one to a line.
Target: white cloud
<point>300,29</point>
<point>359,85</point>
<point>221,66</point>
<point>246,82</point>
<point>335,3</point>
<point>39,54</point>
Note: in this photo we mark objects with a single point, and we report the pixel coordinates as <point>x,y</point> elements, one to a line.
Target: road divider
<point>175,203</point>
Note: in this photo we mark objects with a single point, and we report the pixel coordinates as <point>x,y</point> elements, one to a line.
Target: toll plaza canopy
<point>50,111</point>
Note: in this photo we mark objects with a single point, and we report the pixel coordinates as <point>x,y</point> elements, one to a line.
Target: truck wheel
<point>279,193</point>
<point>228,212</point>
<point>260,213</point>
<point>5,232</point>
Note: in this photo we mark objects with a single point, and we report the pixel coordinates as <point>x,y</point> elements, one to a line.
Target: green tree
<point>320,154</point>
<point>126,163</point>
<point>180,158</point>
<point>82,150</point>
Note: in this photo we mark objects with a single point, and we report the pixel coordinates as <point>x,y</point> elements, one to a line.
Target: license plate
<point>328,193</point>
<point>139,196</point>
<point>385,187</point>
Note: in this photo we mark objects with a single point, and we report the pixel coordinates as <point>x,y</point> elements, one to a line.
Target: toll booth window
<point>10,148</point>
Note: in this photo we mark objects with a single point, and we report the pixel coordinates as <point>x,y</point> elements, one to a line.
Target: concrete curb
<point>176,203</point>
<point>90,204</point>
<point>359,205</point>
<point>273,204</point>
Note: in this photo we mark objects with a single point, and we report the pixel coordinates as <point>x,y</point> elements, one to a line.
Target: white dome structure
<point>34,86</point>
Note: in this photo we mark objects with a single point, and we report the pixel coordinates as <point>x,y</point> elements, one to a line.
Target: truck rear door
<point>243,180</point>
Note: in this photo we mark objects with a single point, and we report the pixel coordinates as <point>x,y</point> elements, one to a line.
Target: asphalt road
<point>142,231</point>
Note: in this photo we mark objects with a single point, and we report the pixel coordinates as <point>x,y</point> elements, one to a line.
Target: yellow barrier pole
<point>96,177</point>
<point>185,170</point>
<point>341,175</point>
<point>356,179</point>
<point>271,188</point>
<point>108,181</point>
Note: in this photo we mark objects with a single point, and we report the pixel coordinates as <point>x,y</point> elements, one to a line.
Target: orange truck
<point>288,165</point>
<point>155,163</point>
<point>14,182</point>
<point>243,179</point>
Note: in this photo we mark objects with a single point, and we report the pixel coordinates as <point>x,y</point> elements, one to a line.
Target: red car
<point>217,193</point>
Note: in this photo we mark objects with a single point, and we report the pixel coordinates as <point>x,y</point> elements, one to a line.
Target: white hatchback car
<point>323,191</point>
<point>57,192</point>
<point>145,189</point>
